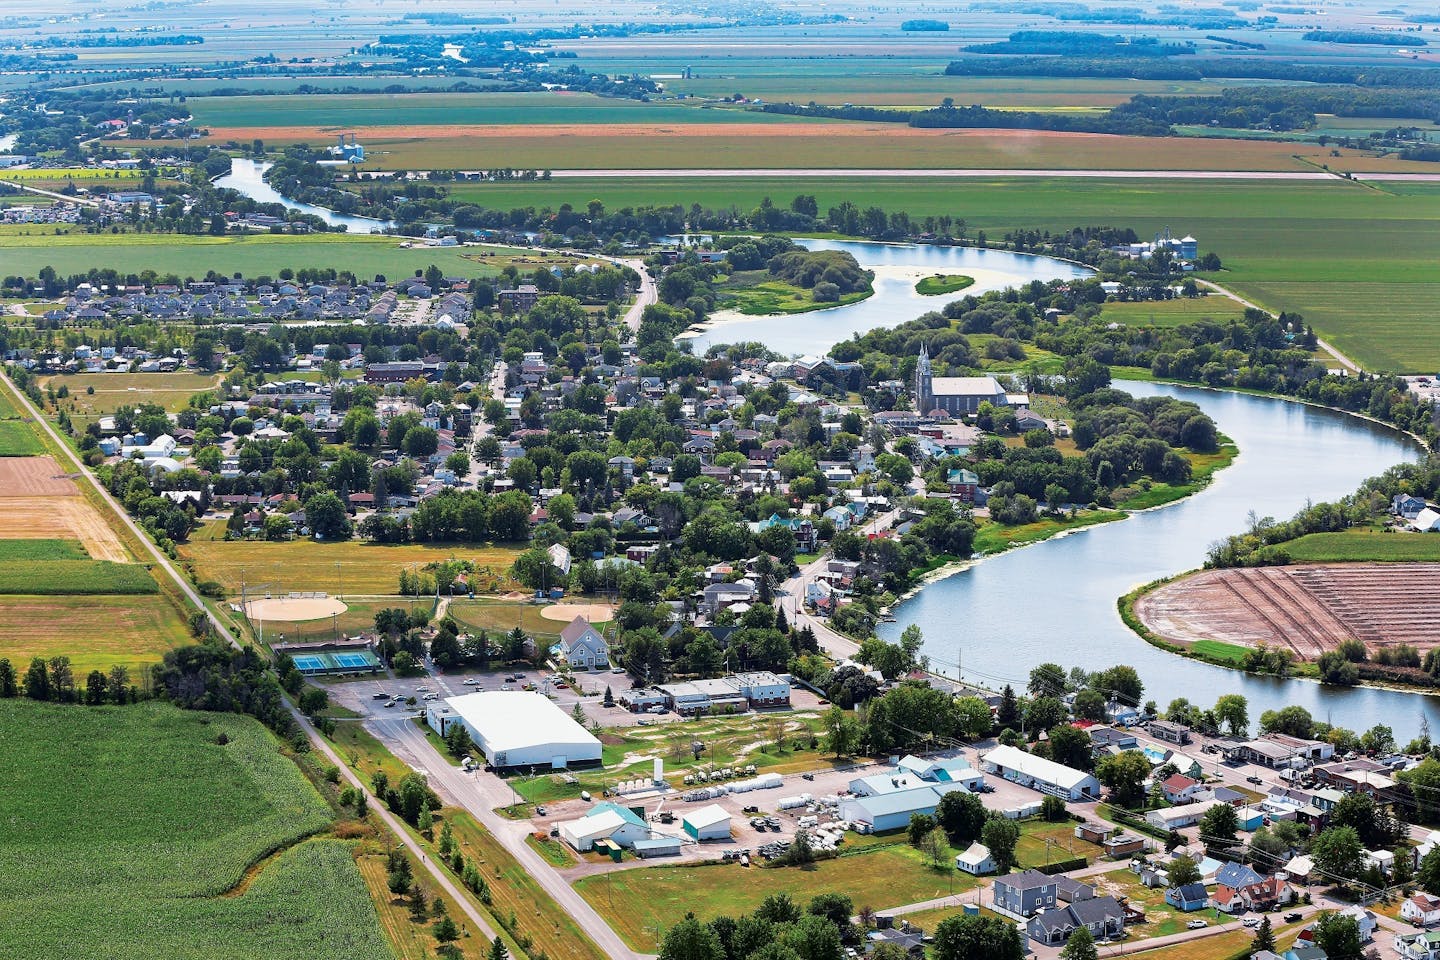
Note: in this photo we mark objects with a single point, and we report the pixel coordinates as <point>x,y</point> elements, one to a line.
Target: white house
<point>1422,909</point>
<point>976,860</point>
<point>1041,774</point>
<point>582,646</point>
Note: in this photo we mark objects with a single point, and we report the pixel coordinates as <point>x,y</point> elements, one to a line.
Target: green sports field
<point>129,830</point>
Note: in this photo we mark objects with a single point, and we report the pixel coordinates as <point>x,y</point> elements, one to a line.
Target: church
<point>956,396</point>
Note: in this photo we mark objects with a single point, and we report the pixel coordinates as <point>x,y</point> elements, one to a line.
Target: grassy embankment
<point>1203,467</point>
<point>757,293</point>
<point>236,876</point>
<point>942,283</point>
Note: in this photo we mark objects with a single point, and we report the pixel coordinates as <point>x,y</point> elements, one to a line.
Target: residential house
<point>1422,909</point>
<point>1103,916</point>
<point>1179,788</point>
<point>1024,894</point>
<point>582,646</point>
<point>1176,733</point>
<point>976,860</point>
<point>1187,898</point>
<point>1424,945</point>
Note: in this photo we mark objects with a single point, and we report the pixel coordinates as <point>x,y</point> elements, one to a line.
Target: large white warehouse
<point>517,729</point>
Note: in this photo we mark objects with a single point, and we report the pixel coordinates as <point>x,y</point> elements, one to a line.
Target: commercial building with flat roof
<point>517,729</point>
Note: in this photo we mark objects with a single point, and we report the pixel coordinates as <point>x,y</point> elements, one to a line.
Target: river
<point>248,177</point>
<point>1055,601</point>
<point>897,266</point>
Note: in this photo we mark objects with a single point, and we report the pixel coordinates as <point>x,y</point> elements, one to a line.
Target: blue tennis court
<point>309,664</point>
<point>324,661</point>
<point>353,661</point>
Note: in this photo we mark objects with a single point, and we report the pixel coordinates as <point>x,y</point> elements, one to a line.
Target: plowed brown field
<point>34,477</point>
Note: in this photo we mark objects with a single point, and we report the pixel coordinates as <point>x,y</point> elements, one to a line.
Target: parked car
<point>389,704</point>
<point>1292,918</point>
<point>1196,925</point>
<point>1252,779</point>
<point>471,682</point>
<point>382,695</point>
<point>1251,921</point>
<point>540,811</point>
<point>645,721</point>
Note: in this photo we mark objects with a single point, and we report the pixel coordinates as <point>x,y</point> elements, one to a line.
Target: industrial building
<point>608,821</point>
<point>1047,776</point>
<point>517,729</point>
<point>893,810</point>
<point>707,823</point>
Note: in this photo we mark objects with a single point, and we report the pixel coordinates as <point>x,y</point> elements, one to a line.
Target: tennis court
<point>312,664</point>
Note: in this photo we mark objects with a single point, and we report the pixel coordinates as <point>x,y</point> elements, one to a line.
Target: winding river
<point>1055,600</point>
<point>897,267</point>
<point>248,177</point>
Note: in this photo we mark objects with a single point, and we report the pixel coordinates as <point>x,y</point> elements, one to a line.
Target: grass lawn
<point>1172,313</point>
<point>338,568</point>
<point>502,616</point>
<point>1161,919</point>
<point>1220,650</point>
<point>994,537</point>
<point>219,808</point>
<point>555,853</point>
<point>18,439</point>
<point>942,283</point>
<point>95,632</point>
<point>1203,467</point>
<point>115,390</point>
<point>639,903</point>
<point>756,293</point>
<point>411,940</point>
<point>1033,851</point>
<point>1361,544</point>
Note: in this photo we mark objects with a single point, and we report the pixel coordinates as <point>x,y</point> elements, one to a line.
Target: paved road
<point>481,793</point>
<point>647,295</point>
<point>1343,360</point>
<point>50,193</point>
<point>799,173</point>
<point>437,875</point>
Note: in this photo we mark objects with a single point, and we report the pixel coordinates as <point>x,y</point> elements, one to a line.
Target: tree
<point>9,686</point>
<point>1044,713</point>
<point>1218,827</point>
<point>934,847</point>
<point>835,907</point>
<point>961,815</point>
<point>1090,705</point>
<point>498,950</point>
<point>37,680</point>
<point>1428,876</point>
<point>842,732</point>
<point>1339,936</point>
<point>920,825</point>
<point>1080,946</point>
<point>1264,938</point>
<point>1052,809</point>
<point>1124,774</point>
<point>1071,746</point>
<point>327,518</point>
<point>976,937</point>
<point>1001,834</point>
<point>1182,871</point>
<point>1338,853</point>
<point>1047,680</point>
<point>1121,683</point>
<point>445,929</point>
<point>1007,715</point>
<point>1234,712</point>
<point>1292,720</point>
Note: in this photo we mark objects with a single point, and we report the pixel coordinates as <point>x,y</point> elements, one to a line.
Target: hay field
<point>95,632</point>
<point>115,390</point>
<point>340,569</point>
<point>805,144</point>
<point>1173,313</point>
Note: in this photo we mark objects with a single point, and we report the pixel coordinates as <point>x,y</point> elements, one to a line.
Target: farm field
<point>95,632</point>
<point>1353,259</point>
<point>1359,545</point>
<point>32,550</point>
<point>1173,313</point>
<point>803,144</point>
<point>1306,609</point>
<point>638,902</point>
<point>261,254</point>
<point>17,439</point>
<point>341,569</point>
<point>219,808</point>
<point>59,577</point>
<point>68,516</point>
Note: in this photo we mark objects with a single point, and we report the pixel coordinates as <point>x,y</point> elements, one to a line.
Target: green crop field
<point>1360,545</point>
<point>95,632</point>
<point>637,903</point>
<point>232,115</point>
<point>18,440</point>
<point>30,550</point>
<point>156,823</point>
<point>54,577</point>
<point>251,256</point>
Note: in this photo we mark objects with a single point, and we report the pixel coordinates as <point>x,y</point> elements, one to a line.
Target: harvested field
<point>64,517</point>
<point>34,477</point>
<point>1306,609</point>
<point>95,632</point>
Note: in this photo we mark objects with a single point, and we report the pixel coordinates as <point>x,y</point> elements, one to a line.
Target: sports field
<point>114,390</point>
<point>156,823</point>
<point>340,569</point>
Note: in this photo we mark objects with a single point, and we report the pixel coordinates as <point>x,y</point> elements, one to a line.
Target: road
<point>481,793</point>
<point>162,562</point>
<point>811,173</point>
<point>50,193</point>
<point>647,295</point>
<point>1344,361</point>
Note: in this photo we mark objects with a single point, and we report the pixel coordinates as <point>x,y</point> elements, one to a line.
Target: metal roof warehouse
<point>517,729</point>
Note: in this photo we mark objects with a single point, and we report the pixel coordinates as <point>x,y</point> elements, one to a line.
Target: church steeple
<point>924,392</point>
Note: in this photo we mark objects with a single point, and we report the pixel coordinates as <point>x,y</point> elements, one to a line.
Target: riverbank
<point>754,293</point>
<point>939,283</point>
